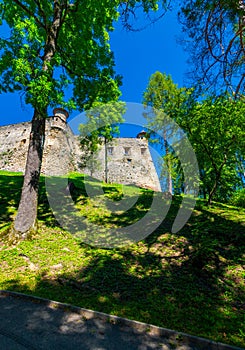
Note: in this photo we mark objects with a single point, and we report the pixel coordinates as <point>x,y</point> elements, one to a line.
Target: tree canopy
<point>168,102</point>
<point>214,127</point>
<point>55,44</point>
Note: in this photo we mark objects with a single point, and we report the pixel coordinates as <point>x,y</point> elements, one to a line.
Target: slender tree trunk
<point>170,183</point>
<point>216,182</point>
<point>106,162</point>
<point>169,179</point>
<point>25,220</point>
<point>204,190</point>
<point>213,190</point>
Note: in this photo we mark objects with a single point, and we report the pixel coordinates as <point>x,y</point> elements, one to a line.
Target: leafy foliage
<point>102,120</point>
<point>102,124</point>
<point>54,45</point>
<point>168,103</point>
<point>215,129</point>
<point>238,198</point>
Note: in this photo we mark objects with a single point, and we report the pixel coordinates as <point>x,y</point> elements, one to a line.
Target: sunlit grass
<point>192,281</point>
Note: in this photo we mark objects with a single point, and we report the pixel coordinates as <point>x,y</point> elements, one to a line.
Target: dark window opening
<point>126,151</point>
<point>110,151</point>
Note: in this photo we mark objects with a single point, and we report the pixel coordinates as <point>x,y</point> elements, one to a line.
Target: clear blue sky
<point>140,54</point>
<point>137,55</point>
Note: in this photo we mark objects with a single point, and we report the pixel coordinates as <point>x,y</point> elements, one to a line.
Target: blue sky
<point>137,56</point>
<point>140,54</point>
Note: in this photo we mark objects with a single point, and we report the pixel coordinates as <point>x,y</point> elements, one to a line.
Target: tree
<point>54,44</point>
<point>100,128</point>
<point>167,99</point>
<point>215,130</point>
<point>217,43</point>
<point>214,127</point>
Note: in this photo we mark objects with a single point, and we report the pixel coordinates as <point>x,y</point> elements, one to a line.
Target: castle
<point>129,160</point>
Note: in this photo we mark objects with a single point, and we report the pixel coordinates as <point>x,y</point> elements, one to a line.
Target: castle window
<point>110,151</point>
<point>126,151</point>
<point>143,150</point>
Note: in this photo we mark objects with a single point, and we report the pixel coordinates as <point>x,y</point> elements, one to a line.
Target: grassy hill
<point>191,281</point>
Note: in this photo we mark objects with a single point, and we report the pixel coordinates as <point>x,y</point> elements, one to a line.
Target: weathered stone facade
<point>128,159</point>
<point>129,162</point>
<point>58,150</point>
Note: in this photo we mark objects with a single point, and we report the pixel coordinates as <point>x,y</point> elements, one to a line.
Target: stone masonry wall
<point>57,154</point>
<point>14,140</point>
<point>129,159</point>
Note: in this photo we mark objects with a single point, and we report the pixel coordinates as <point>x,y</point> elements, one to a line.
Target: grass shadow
<point>10,191</point>
<point>191,281</point>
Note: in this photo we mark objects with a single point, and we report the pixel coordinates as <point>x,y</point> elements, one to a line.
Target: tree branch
<point>29,12</point>
<point>38,3</point>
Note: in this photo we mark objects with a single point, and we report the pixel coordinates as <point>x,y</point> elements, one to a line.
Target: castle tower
<point>58,150</point>
<point>142,135</point>
<point>59,118</point>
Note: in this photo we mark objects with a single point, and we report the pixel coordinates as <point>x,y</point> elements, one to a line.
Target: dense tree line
<point>215,128</point>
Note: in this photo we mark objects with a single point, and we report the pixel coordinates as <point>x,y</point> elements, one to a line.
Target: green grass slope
<point>191,281</point>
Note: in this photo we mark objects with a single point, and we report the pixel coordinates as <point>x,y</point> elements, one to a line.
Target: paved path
<point>35,324</point>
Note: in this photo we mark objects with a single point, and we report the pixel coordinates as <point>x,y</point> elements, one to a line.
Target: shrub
<point>238,198</point>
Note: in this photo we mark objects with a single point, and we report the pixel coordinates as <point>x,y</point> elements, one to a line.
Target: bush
<point>238,198</point>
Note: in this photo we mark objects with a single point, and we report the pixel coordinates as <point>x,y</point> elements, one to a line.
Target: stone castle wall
<point>128,159</point>
<point>128,162</point>
<point>13,146</point>
<point>58,155</point>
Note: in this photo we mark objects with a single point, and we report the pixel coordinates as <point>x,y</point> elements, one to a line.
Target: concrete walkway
<point>34,323</point>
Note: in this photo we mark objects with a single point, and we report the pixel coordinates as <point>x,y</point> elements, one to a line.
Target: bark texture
<point>25,220</point>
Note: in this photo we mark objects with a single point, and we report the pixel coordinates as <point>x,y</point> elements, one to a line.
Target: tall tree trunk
<point>169,179</point>
<point>25,220</point>
<point>213,190</point>
<point>216,182</point>
<point>106,162</point>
